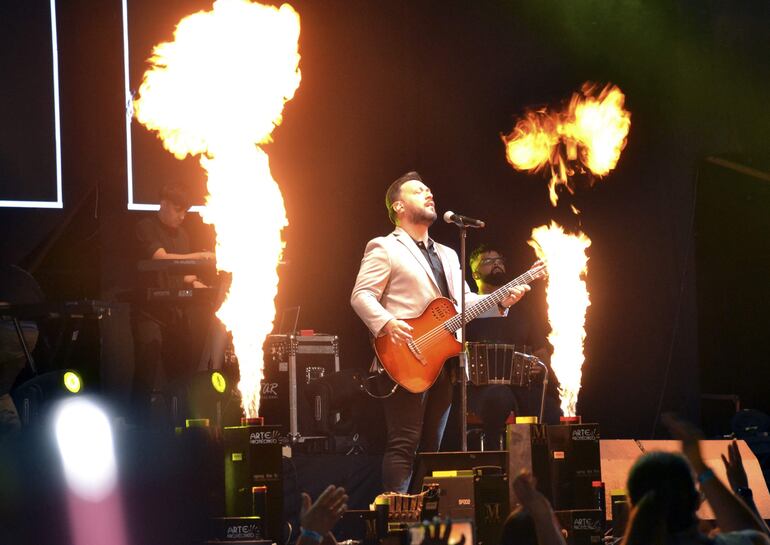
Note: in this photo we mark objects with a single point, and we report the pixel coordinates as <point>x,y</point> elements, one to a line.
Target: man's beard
<point>422,216</point>
<point>497,278</point>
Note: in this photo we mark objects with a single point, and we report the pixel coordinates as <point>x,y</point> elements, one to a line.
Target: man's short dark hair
<point>394,192</point>
<point>480,249</point>
<point>176,194</point>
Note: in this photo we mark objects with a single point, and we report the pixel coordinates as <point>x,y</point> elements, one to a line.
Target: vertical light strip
<point>59,202</point>
<point>129,116</point>
<point>57,118</point>
<point>129,110</point>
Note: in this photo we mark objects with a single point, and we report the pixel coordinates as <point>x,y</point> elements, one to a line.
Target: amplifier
<point>564,459</point>
<point>582,526</point>
<point>475,495</point>
<point>292,362</point>
<point>254,477</point>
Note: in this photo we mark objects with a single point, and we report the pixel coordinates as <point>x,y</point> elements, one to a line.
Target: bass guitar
<point>416,364</point>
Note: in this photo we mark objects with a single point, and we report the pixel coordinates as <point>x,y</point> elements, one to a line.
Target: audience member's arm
<point>546,526</point>
<point>317,519</point>
<point>646,523</point>
<point>731,513</point>
<point>736,475</point>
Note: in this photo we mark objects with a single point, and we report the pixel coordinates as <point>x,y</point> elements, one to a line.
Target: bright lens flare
<point>567,298</point>
<point>586,137</point>
<point>217,91</point>
<point>84,437</point>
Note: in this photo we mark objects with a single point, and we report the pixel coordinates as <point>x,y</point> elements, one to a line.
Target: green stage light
<point>72,382</point>
<point>219,382</point>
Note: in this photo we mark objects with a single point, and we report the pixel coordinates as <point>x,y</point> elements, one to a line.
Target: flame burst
<point>217,91</point>
<point>586,137</point>
<point>567,297</point>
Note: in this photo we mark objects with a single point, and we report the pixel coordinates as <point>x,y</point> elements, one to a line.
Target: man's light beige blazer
<point>396,281</point>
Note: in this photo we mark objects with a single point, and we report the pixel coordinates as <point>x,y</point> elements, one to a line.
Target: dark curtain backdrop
<point>393,86</point>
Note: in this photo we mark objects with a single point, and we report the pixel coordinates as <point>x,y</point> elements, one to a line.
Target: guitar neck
<point>490,301</point>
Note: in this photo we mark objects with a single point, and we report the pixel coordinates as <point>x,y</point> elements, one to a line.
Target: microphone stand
<point>464,351</point>
<point>463,223</point>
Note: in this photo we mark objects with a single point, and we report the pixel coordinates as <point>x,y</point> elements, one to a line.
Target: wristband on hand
<point>706,475</point>
<point>744,492</point>
<point>311,534</point>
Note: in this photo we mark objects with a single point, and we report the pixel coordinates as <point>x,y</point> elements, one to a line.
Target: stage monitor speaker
<point>428,462</point>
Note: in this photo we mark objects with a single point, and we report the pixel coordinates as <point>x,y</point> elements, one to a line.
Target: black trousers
<point>415,422</point>
<point>167,348</point>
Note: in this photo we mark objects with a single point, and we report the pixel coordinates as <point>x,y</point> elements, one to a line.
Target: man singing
<point>400,274</point>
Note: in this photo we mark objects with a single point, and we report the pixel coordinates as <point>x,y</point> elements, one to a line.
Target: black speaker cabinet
<point>528,451</point>
<point>480,495</point>
<point>565,460</point>
<point>360,525</point>
<point>582,526</point>
<point>253,459</point>
<point>575,465</point>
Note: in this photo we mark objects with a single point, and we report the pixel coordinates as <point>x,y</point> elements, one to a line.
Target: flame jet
<point>567,298</point>
<point>585,137</point>
<point>217,91</point>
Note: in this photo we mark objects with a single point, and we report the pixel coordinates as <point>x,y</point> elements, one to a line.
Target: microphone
<point>462,221</point>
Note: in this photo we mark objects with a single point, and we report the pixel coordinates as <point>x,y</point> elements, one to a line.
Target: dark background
<point>27,130</point>
<point>394,86</point>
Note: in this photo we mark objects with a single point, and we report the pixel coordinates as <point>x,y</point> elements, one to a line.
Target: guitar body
<point>416,368</point>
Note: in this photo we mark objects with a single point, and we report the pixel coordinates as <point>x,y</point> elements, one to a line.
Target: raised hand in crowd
<point>731,513</point>
<point>317,519</point>
<point>546,526</point>
<point>736,474</point>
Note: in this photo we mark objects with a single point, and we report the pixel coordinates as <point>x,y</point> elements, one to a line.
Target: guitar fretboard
<point>487,303</point>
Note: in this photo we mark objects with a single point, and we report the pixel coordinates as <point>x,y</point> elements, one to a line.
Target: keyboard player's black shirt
<point>152,234</point>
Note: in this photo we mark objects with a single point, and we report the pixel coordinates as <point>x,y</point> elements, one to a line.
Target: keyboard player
<point>168,336</point>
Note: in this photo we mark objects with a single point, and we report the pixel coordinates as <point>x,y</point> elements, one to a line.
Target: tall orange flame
<point>567,297</point>
<point>218,90</point>
<point>586,137</point>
